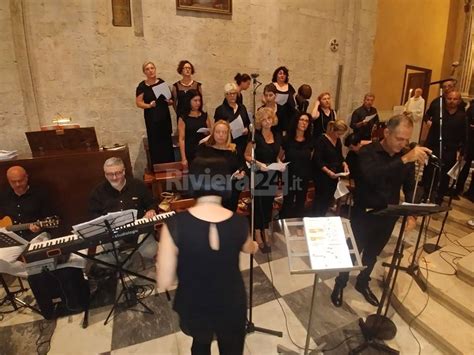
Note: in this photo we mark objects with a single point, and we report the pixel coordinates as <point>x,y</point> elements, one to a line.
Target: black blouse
<point>327,155</point>
<point>320,124</point>
<point>267,153</point>
<point>299,156</point>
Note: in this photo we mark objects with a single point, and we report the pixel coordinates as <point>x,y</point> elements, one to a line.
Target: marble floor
<point>281,302</point>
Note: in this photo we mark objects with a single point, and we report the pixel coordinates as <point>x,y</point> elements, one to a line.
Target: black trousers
<point>160,142</point>
<point>449,159</point>
<point>229,332</point>
<point>323,195</point>
<point>463,176</point>
<point>266,184</point>
<point>294,200</point>
<point>371,233</point>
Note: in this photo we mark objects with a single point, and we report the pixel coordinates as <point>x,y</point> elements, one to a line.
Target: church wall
<point>421,33</point>
<point>84,68</point>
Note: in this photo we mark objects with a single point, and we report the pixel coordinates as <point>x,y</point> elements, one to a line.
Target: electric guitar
<point>7,223</point>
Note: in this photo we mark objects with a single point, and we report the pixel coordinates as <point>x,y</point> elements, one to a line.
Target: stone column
<point>20,41</point>
<point>467,51</point>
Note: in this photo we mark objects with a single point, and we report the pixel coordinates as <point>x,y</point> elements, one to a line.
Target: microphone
<point>431,155</point>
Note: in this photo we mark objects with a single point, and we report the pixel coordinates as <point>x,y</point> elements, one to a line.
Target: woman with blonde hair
<point>219,145</point>
<point>157,116</point>
<point>328,161</point>
<point>268,150</point>
<point>322,114</point>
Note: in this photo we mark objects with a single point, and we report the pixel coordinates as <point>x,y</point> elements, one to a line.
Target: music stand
<point>379,326</point>
<point>326,252</point>
<point>113,225</point>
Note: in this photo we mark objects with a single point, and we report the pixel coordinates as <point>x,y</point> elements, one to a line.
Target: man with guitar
<point>23,204</point>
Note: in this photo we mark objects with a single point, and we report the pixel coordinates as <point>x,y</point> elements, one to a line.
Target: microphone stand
<point>250,327</point>
<point>430,247</point>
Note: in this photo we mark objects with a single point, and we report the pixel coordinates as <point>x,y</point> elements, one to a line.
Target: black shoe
<point>336,295</point>
<point>368,294</point>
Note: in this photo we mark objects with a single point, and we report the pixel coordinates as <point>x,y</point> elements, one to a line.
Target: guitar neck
<point>18,227</point>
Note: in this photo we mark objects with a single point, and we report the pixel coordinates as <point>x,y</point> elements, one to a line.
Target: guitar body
<point>6,222</point>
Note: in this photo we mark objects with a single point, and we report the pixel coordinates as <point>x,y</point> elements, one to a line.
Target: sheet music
<point>326,243</point>
<point>281,99</point>
<point>453,173</point>
<point>369,118</point>
<point>97,226</point>
<point>203,130</point>
<point>277,166</point>
<point>237,127</point>
<point>162,89</point>
<point>341,190</point>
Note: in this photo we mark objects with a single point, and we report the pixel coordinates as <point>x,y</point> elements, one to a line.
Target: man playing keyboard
<point>121,192</point>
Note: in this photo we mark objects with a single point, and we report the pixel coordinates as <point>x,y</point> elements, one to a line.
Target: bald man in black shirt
<point>383,170</point>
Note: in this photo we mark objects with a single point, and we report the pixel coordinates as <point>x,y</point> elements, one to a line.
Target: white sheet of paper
<point>342,174</point>
<point>237,127</point>
<point>205,139</point>
<point>204,130</point>
<point>326,241</point>
<point>162,89</point>
<point>281,99</point>
<point>277,166</point>
<point>453,173</point>
<point>368,118</point>
<point>341,190</point>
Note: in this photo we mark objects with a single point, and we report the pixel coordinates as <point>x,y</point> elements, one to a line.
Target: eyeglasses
<point>115,174</point>
<point>187,68</point>
<point>304,120</point>
<point>231,93</point>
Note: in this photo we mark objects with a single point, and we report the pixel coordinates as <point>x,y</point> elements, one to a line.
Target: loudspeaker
<point>60,292</point>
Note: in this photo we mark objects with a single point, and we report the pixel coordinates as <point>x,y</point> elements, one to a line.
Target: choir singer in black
<point>384,169</point>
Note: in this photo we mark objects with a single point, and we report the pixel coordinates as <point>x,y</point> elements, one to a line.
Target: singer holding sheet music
<point>268,150</point>
<point>157,116</point>
<point>219,145</point>
<point>384,170</point>
<point>285,98</point>
<point>191,125</point>
<point>328,161</point>
<point>365,118</point>
<point>236,114</point>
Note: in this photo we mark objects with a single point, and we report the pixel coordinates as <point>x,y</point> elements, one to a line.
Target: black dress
<point>298,154</point>
<point>210,298</point>
<point>287,111</point>
<point>330,156</point>
<point>181,95</point>
<point>192,137</point>
<point>233,163</point>
<point>320,124</point>
<point>158,124</point>
<point>266,182</point>
<point>225,112</point>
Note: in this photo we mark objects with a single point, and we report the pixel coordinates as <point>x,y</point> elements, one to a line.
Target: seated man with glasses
<point>120,192</point>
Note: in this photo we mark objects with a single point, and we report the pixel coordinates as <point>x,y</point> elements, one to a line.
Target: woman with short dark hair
<point>200,248</point>
<point>192,120</point>
<point>243,83</point>
<point>285,98</point>
<point>181,88</point>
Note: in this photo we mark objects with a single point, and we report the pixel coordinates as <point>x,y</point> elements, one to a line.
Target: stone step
<point>465,265</point>
<point>442,281</point>
<point>444,329</point>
